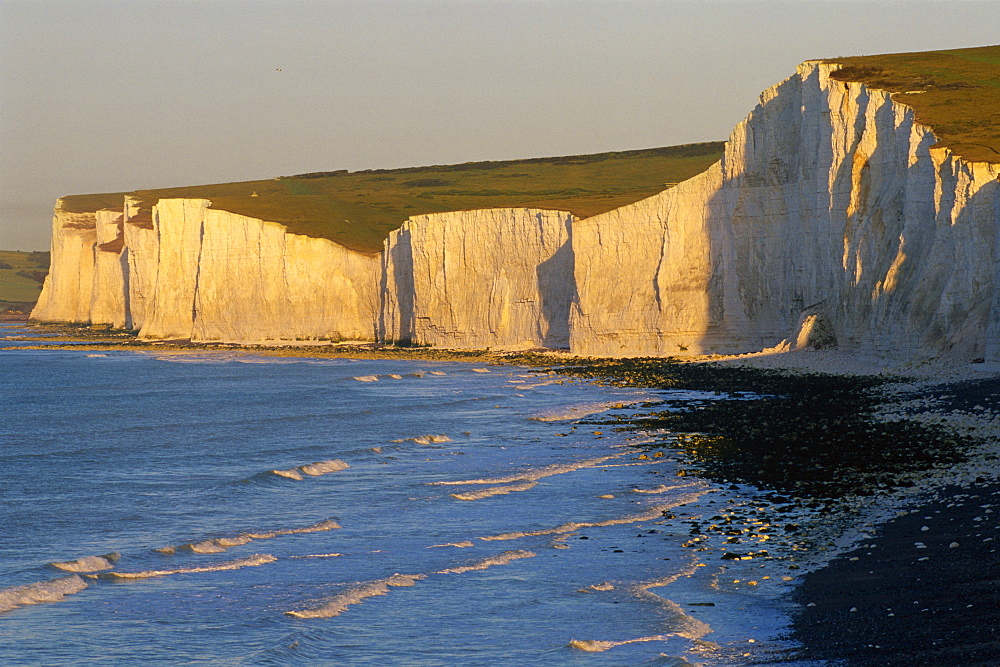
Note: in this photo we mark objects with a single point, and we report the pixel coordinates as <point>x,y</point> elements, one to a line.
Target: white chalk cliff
<point>497,278</point>
<point>188,272</point>
<point>833,219</point>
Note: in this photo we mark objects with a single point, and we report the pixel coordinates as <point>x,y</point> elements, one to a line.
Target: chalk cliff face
<point>107,299</point>
<point>831,220</point>
<point>258,283</point>
<point>140,262</point>
<point>498,278</point>
<point>66,293</point>
<point>189,272</point>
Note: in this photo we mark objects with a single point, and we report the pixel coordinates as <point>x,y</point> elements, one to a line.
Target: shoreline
<point>949,416</point>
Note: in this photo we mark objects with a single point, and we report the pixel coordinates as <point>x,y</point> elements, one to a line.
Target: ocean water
<point>234,509</point>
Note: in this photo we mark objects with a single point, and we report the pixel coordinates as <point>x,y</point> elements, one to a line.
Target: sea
<point>232,508</point>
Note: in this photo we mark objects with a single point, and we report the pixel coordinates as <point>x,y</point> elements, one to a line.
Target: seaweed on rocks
<point>804,434</point>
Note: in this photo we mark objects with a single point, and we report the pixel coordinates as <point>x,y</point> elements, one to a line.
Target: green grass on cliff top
<point>359,209</point>
<point>956,92</point>
<point>21,276</point>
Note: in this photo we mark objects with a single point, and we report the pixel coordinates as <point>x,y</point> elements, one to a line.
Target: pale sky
<point>104,96</point>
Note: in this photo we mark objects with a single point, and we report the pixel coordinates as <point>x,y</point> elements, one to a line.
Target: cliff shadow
<point>557,291</point>
<point>396,312</point>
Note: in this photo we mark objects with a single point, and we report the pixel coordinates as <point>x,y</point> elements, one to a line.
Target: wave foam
<point>367,378</point>
<point>320,527</point>
<point>89,563</point>
<point>536,474</point>
<point>52,590</point>
<point>597,646</point>
<point>461,545</point>
<point>494,491</point>
<point>573,411</point>
<point>219,544</point>
<point>338,604</point>
<point>682,623</point>
<point>662,488</point>
<point>249,561</point>
<point>313,469</point>
<point>323,467</point>
<point>430,439</point>
<point>500,559</point>
<point>653,512</point>
<point>333,555</point>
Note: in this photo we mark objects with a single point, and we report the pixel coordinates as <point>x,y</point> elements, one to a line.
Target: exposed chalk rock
<point>67,291</point>
<point>107,301</point>
<point>258,283</point>
<point>831,219</point>
<point>498,278</point>
<point>139,262</point>
<point>170,312</point>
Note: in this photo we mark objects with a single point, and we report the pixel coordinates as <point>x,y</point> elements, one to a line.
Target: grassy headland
<point>21,277</point>
<point>359,209</point>
<point>956,92</point>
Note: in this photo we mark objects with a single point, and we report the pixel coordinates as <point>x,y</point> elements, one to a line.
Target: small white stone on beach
<point>953,545</point>
<point>854,608</point>
<point>920,545</point>
<point>811,604</point>
<point>924,558</point>
<point>924,529</point>
<point>854,558</point>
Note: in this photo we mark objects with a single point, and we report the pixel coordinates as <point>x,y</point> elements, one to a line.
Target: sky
<point>106,96</point>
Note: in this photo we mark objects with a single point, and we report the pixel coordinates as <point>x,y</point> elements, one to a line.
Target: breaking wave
<point>596,646</point>
<point>536,474</point>
<point>338,604</point>
<point>501,559</point>
<point>249,561</point>
<point>662,488</point>
<point>494,491</point>
<point>653,512</point>
<point>426,439</point>
<point>52,590</point>
<point>684,624</point>
<point>219,544</point>
<point>313,469</point>
<point>573,412</point>
<point>89,563</point>
<point>323,467</point>
<point>460,545</point>
<point>333,555</point>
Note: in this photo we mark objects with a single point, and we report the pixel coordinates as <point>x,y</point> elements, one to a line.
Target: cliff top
<point>359,209</point>
<point>21,276</point>
<point>956,92</point>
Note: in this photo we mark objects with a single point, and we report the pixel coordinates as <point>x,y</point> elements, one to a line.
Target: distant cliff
<point>833,220</point>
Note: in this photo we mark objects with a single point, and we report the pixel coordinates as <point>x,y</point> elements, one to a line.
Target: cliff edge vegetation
<point>956,92</point>
<point>358,209</point>
<point>21,277</point>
